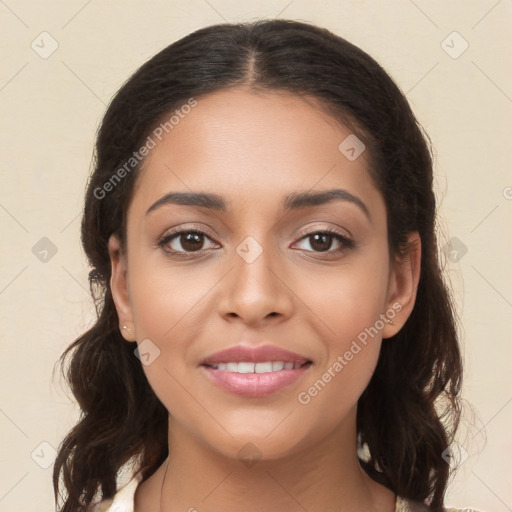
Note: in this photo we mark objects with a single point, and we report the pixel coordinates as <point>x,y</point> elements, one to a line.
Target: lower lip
<point>255,384</point>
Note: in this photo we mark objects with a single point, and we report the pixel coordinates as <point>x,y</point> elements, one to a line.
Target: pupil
<point>192,242</point>
<point>323,245</point>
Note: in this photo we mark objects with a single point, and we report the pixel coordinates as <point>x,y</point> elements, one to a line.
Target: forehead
<point>246,145</point>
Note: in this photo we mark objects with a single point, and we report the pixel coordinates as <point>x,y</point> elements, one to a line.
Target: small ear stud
<point>390,322</point>
<point>126,328</point>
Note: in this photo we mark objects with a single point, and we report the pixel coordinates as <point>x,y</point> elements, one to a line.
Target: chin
<point>250,446</point>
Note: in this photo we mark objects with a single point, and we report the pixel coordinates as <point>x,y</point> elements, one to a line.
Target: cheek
<point>345,301</point>
<point>166,311</point>
<point>325,401</point>
<point>344,308</point>
<point>347,320</point>
<point>166,301</point>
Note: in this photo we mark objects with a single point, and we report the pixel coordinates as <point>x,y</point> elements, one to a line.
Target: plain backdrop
<point>61,62</point>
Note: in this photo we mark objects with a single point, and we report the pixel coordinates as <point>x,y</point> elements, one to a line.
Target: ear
<point>403,285</point>
<point>120,289</point>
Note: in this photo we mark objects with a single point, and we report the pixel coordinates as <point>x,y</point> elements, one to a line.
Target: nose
<point>256,291</point>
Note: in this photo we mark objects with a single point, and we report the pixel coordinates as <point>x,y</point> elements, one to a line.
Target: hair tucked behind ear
<point>400,414</point>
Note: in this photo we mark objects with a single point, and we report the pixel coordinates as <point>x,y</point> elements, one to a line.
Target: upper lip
<point>259,354</point>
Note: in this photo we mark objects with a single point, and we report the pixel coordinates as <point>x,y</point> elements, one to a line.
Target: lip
<point>259,354</point>
<point>254,384</point>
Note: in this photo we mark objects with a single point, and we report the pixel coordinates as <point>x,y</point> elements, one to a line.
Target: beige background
<point>50,109</point>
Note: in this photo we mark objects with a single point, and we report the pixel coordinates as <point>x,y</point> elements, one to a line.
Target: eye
<point>191,240</point>
<point>322,241</point>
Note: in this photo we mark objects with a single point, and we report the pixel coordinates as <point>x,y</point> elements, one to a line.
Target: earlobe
<point>403,286</point>
<point>120,289</point>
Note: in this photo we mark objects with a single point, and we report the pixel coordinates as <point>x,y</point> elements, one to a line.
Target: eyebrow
<point>292,201</point>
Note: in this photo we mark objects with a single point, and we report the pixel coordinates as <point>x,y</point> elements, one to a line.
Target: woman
<point>274,332</point>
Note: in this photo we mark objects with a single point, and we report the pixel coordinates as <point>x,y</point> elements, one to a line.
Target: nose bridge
<point>254,262</point>
<point>255,288</point>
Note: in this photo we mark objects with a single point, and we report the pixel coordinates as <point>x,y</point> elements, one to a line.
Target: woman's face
<point>260,273</point>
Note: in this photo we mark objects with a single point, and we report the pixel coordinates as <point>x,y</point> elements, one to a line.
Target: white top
<point>123,501</point>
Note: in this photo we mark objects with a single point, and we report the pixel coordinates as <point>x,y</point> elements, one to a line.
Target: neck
<point>326,476</point>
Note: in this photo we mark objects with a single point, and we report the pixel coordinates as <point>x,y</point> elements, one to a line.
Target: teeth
<point>265,367</point>
<point>246,367</point>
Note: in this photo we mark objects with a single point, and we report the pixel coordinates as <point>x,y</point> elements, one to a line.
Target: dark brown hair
<point>410,410</point>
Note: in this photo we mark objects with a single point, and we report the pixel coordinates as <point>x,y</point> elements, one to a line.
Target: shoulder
<point>462,510</point>
<point>406,505</point>
<point>123,500</point>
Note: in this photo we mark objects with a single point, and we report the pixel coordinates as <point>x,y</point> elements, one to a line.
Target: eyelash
<point>346,243</point>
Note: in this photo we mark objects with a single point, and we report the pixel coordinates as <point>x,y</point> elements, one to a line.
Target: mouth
<point>255,372</point>
<point>247,367</point>
<point>244,358</point>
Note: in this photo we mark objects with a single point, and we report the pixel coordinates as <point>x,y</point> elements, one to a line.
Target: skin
<point>254,149</point>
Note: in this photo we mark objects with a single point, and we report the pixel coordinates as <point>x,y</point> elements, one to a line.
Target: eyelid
<point>308,231</point>
<point>188,228</point>
<point>303,232</point>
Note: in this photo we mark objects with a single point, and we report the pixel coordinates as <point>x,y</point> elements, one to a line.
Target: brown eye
<point>183,242</point>
<point>191,241</point>
<point>323,241</point>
